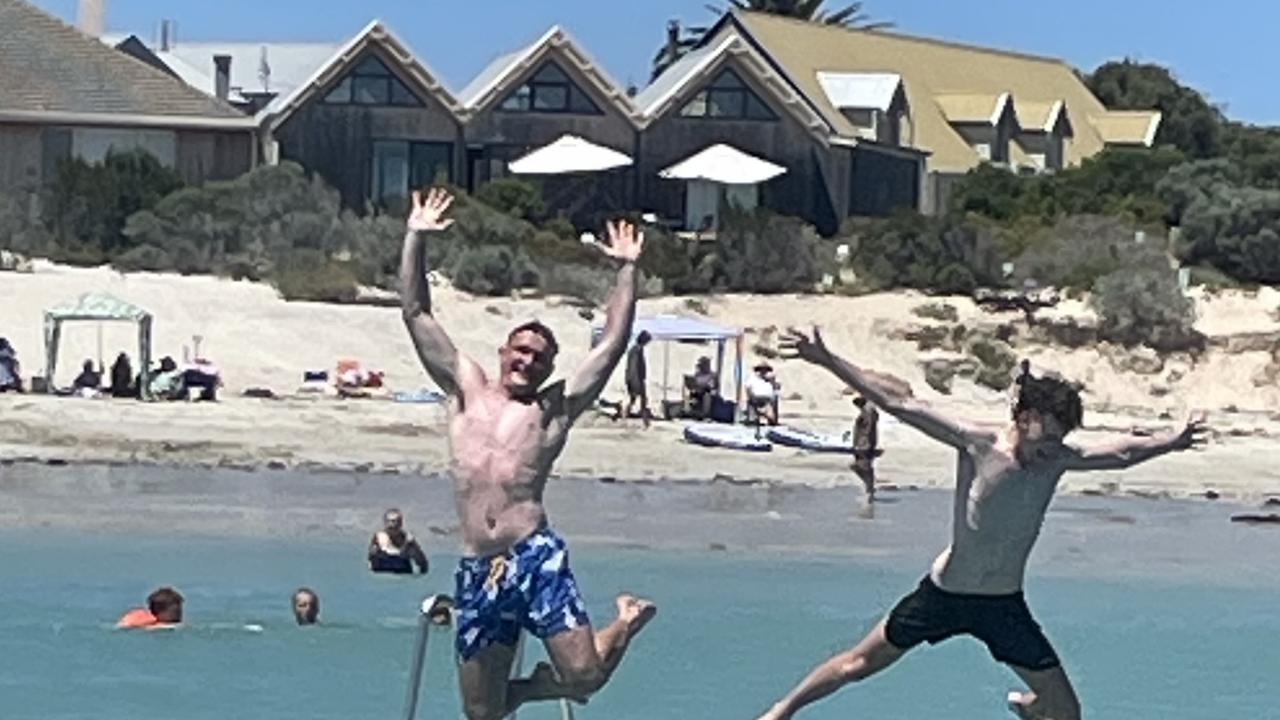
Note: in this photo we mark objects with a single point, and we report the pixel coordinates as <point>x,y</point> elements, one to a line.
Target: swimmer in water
<point>392,550</point>
<point>505,433</point>
<point>306,606</point>
<point>1005,480</point>
<point>163,610</point>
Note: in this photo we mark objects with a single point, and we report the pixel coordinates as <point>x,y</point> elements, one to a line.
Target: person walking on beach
<point>638,377</point>
<point>866,446</point>
<point>395,551</point>
<point>1004,482</point>
<point>505,433</point>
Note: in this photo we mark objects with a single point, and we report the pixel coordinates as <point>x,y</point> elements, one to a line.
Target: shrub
<point>493,270</point>
<point>761,251</point>
<point>308,275</point>
<point>513,196</point>
<point>1079,249</point>
<point>929,254</point>
<point>1142,304</point>
<point>20,228</point>
<point>592,284</point>
<point>996,361</point>
<point>936,311</point>
<point>89,204</point>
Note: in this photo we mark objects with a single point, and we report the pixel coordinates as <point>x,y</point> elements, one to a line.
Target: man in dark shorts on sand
<point>505,433</point>
<point>1004,483</point>
<point>638,378</point>
<point>866,445</point>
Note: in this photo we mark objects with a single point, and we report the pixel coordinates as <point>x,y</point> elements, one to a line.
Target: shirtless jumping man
<point>1004,482</point>
<point>505,432</point>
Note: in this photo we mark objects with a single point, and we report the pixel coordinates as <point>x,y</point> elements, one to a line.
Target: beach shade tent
<point>569,154</point>
<point>720,174</point>
<point>96,307</point>
<point>687,329</point>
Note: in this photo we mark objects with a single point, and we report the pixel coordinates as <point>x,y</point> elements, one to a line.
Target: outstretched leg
<point>1051,696</point>
<point>484,679</point>
<point>867,658</point>
<point>583,661</point>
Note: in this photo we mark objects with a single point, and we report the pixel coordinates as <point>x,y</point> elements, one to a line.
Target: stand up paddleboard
<point>733,437</point>
<point>816,442</point>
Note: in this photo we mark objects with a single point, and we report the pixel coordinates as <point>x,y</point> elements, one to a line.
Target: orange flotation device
<point>138,618</point>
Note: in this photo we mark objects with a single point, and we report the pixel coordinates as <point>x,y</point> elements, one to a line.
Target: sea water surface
<point>1159,610</point>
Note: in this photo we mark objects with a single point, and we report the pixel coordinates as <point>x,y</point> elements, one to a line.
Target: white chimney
<point>92,17</point>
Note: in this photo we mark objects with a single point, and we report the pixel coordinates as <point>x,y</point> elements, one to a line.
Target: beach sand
<point>258,340</point>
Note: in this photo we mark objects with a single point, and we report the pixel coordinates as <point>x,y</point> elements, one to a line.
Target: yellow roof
<point>1128,127</point>
<point>984,109</point>
<point>931,69</point>
<point>1039,115</point>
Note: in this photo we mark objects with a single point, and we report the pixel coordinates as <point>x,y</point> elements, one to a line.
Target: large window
<point>371,82</point>
<point>550,91</point>
<point>399,165</point>
<point>727,98</point>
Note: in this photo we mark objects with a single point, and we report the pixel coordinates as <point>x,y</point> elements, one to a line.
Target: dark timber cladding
<point>775,135</point>
<point>372,133</point>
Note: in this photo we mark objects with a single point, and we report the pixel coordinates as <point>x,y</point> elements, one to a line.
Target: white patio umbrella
<point>569,154</point>
<point>724,164</point>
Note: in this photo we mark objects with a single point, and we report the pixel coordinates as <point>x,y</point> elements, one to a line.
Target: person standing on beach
<point>1004,482</point>
<point>505,433</point>
<point>866,445</point>
<point>637,374</point>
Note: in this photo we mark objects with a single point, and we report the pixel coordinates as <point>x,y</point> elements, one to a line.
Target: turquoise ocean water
<point>735,630</point>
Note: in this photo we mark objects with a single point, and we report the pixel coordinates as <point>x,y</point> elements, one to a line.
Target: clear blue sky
<point>1226,49</point>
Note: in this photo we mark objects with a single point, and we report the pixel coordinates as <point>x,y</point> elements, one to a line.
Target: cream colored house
<point>961,104</point>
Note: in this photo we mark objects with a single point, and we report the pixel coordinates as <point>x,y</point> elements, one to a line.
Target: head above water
<point>1046,407</point>
<point>527,359</point>
<point>165,604</point>
<point>306,606</point>
<point>392,520</point>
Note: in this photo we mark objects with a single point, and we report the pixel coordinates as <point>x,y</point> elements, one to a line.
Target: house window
<point>550,91</point>
<point>371,82</point>
<point>399,165</point>
<point>727,98</point>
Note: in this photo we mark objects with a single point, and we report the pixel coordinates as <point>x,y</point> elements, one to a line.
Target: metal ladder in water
<point>429,607</point>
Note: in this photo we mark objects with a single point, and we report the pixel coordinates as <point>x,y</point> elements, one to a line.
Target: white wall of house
<point>92,144</point>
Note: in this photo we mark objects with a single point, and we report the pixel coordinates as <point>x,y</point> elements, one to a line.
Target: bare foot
<point>635,612</point>
<point>1020,704</point>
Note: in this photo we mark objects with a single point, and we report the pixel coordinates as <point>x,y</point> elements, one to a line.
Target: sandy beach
<point>260,341</point>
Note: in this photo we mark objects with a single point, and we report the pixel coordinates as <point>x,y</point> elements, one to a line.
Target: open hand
<point>625,242</point>
<point>427,214</point>
<point>1193,435</point>
<point>795,344</point>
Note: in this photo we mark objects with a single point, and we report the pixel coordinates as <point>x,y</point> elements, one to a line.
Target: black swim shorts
<point>1002,622</point>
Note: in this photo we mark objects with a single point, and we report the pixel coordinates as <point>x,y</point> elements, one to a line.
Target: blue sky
<point>1226,49</point>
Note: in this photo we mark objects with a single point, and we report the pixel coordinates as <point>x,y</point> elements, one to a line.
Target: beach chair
<point>430,607</point>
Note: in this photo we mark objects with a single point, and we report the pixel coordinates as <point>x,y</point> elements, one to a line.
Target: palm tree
<point>849,16</point>
<point>681,41</point>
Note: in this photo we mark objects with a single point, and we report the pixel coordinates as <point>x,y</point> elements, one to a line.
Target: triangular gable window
<point>550,91</point>
<point>371,82</point>
<point>727,98</point>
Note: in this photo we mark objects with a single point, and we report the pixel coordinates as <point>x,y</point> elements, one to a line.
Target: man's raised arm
<point>439,356</point>
<point>885,395</point>
<point>1129,451</point>
<point>586,383</point>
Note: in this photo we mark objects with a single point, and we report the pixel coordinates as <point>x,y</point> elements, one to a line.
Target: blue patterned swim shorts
<point>529,587</point>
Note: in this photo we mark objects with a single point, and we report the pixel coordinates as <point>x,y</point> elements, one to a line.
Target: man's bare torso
<point>501,453</point>
<point>999,509</point>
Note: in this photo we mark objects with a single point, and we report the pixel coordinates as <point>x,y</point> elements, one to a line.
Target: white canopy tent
<point>97,307</point>
<point>686,329</point>
<point>569,154</point>
<point>720,175</point>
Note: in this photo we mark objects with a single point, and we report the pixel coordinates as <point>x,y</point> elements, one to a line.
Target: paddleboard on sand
<point>817,442</point>
<point>734,437</point>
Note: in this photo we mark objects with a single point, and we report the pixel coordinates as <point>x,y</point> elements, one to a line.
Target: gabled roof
<point>421,77</point>
<point>861,90</point>
<point>499,77</point>
<point>702,64</point>
<point>974,109</point>
<point>1039,116</point>
<point>1128,127</point>
<point>929,69</point>
<point>48,70</point>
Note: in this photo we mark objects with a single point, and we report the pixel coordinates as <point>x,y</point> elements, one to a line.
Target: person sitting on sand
<point>1004,483</point>
<point>306,606</point>
<point>167,383</point>
<point>505,433</point>
<point>762,393</point>
<point>88,382</point>
<point>392,550</point>
<point>164,609</point>
<point>704,386</point>
<point>10,369</point>
<point>122,378</point>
